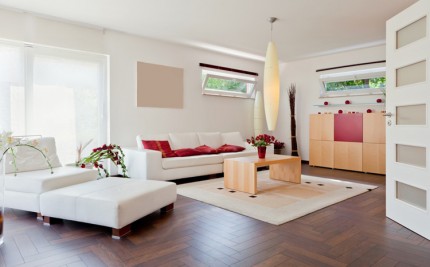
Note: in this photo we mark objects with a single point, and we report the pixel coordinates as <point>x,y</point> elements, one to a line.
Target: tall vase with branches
<point>292,98</point>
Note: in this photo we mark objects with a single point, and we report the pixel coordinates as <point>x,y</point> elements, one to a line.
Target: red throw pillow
<point>186,152</point>
<point>204,149</point>
<point>229,148</point>
<point>162,146</point>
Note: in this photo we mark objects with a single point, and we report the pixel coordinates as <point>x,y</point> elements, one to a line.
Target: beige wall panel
<point>159,86</point>
<point>348,156</point>
<point>374,158</point>
<point>374,128</point>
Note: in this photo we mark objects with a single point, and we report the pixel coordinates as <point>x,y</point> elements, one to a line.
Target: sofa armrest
<point>143,163</point>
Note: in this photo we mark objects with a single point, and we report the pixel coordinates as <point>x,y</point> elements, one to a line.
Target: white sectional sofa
<point>149,164</point>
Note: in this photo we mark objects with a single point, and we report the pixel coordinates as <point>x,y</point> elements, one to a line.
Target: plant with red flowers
<point>112,152</point>
<point>261,140</point>
<point>278,144</point>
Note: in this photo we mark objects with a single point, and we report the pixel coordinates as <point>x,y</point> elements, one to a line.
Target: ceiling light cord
<point>271,20</point>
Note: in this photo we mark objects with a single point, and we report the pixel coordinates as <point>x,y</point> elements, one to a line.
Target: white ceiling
<point>305,27</point>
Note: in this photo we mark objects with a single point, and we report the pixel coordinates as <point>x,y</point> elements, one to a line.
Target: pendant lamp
<point>271,82</point>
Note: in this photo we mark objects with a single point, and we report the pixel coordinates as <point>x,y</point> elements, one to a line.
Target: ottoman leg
<point>46,220</point>
<point>167,208</point>
<point>118,233</point>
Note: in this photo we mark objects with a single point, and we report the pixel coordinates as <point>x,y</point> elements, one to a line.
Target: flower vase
<point>2,181</point>
<point>261,152</point>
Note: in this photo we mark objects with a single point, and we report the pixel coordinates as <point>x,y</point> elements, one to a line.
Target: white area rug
<point>277,202</point>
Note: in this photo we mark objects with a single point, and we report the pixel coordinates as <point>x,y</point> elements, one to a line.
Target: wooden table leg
<point>290,171</point>
<point>240,176</point>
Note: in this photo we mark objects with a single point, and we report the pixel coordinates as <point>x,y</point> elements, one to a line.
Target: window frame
<point>229,76</point>
<point>345,76</point>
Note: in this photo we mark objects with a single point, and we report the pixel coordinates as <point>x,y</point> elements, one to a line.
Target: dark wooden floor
<point>354,232</point>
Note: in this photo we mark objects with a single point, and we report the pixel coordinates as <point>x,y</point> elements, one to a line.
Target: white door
<point>408,131</point>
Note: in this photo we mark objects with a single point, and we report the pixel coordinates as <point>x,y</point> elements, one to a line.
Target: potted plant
<point>278,146</point>
<point>112,152</point>
<point>261,142</point>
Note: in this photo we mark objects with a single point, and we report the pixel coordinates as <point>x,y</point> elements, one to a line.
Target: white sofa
<point>149,164</point>
<point>33,176</point>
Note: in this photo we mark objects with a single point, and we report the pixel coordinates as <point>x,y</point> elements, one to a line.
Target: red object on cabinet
<point>348,127</point>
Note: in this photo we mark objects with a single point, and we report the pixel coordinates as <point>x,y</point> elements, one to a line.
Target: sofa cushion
<point>229,148</point>
<point>183,162</point>
<point>159,145</point>
<point>186,152</point>
<point>141,137</point>
<point>42,180</point>
<point>210,139</point>
<point>30,159</point>
<point>232,138</point>
<point>183,140</point>
<point>204,149</point>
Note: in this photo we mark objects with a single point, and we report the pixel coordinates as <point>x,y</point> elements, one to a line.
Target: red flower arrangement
<point>261,140</point>
<point>278,144</point>
<point>112,152</point>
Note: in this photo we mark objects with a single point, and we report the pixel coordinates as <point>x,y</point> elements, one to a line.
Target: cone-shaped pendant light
<point>271,84</point>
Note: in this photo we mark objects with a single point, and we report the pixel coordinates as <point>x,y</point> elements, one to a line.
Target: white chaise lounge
<point>33,177</point>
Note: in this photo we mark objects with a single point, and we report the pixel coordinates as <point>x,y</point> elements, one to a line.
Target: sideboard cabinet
<point>352,141</point>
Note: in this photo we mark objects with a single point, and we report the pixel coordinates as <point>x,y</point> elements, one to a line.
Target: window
<point>54,92</point>
<point>223,82</point>
<point>357,82</point>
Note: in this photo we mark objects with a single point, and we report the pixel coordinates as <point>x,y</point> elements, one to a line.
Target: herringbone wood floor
<point>354,232</point>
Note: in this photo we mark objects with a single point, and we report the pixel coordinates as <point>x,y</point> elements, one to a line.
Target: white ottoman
<point>111,202</point>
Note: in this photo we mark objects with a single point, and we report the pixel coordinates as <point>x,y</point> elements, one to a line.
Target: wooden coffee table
<point>241,173</point>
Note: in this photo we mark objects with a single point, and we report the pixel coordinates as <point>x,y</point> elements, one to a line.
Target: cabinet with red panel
<point>348,139</point>
<point>355,137</point>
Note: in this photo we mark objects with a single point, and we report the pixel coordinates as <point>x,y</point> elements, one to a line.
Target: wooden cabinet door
<point>315,124</point>
<point>327,127</point>
<point>348,156</point>
<point>374,158</point>
<point>321,153</point>
<point>321,127</point>
<point>374,128</point>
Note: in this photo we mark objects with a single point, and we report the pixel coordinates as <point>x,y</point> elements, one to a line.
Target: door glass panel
<point>411,33</point>
<point>412,195</point>
<point>411,155</point>
<point>411,115</point>
<point>414,73</point>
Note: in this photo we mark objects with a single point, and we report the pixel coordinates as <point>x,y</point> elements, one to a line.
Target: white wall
<point>303,74</point>
<point>200,113</point>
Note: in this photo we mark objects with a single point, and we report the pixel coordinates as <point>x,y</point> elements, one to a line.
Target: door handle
<point>388,114</point>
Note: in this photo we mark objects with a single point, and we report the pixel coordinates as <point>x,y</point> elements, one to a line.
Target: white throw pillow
<point>233,138</point>
<point>183,140</point>
<point>213,140</point>
<point>30,159</point>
